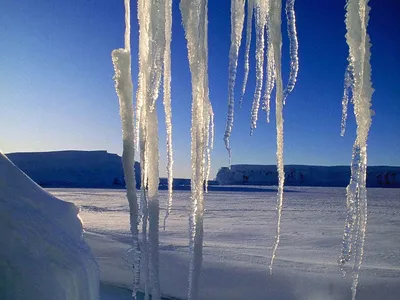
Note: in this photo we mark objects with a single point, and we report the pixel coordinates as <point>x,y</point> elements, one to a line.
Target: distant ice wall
<point>88,169</point>
<point>303,175</point>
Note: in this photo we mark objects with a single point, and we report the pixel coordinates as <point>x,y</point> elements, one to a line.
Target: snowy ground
<point>239,232</point>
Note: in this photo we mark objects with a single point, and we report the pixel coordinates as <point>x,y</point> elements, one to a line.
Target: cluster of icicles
<point>267,15</point>
<point>140,125</point>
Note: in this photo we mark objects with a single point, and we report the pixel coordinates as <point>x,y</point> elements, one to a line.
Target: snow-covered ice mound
<point>42,253</point>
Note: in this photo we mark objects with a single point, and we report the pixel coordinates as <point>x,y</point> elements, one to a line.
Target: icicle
<point>358,82</point>
<point>210,143</point>
<point>141,113</point>
<point>167,101</point>
<point>250,8</point>
<point>260,16</point>
<point>157,43</point>
<point>195,20</point>
<point>348,85</point>
<point>294,47</point>
<point>270,78</point>
<point>276,36</point>
<point>153,203</point>
<point>237,20</point>
<point>123,85</point>
<point>152,46</point>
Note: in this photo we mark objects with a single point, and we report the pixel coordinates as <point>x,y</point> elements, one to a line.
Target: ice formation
<point>123,85</point>
<point>250,9</point>
<point>237,20</point>
<point>42,254</point>
<point>269,36</point>
<point>270,76</point>
<point>348,84</point>
<point>152,43</point>
<point>358,81</point>
<point>167,101</point>
<point>276,38</point>
<point>294,48</point>
<point>195,21</point>
<point>261,14</point>
<point>155,22</point>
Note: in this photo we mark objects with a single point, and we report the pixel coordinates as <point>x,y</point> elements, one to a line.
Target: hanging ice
<point>237,20</point>
<point>250,8</point>
<point>270,78</point>
<point>154,64</point>
<point>268,24</point>
<point>348,84</point>
<point>294,47</point>
<point>358,81</point>
<point>210,144</point>
<point>261,9</point>
<point>276,37</point>
<point>167,101</point>
<point>123,85</point>
<point>195,20</point>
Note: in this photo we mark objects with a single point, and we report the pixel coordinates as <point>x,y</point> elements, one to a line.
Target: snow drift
<point>42,254</point>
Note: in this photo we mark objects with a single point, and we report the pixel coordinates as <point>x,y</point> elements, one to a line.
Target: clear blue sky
<point>56,88</point>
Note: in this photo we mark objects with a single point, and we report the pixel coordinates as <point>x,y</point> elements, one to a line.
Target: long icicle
<point>360,86</point>
<point>210,144</point>
<point>237,20</point>
<point>270,72</point>
<point>276,35</point>
<point>348,85</point>
<point>157,43</point>
<point>293,46</point>
<point>141,113</point>
<point>260,16</point>
<point>195,20</point>
<point>167,102</point>
<point>123,85</point>
<point>151,15</point>
<point>250,9</point>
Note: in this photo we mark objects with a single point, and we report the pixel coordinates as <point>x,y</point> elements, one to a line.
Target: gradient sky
<point>57,92</point>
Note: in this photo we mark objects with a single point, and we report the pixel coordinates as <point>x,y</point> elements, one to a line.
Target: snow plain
<point>239,233</point>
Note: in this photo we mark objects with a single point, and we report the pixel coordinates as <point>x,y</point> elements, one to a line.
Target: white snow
<point>239,229</point>
<point>42,254</point>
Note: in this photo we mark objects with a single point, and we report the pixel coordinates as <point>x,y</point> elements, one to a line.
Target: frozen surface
<point>239,228</point>
<point>42,253</point>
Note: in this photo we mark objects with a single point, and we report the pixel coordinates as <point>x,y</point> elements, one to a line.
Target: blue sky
<point>56,88</point>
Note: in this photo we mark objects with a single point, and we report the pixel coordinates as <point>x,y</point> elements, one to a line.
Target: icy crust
<point>42,254</point>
